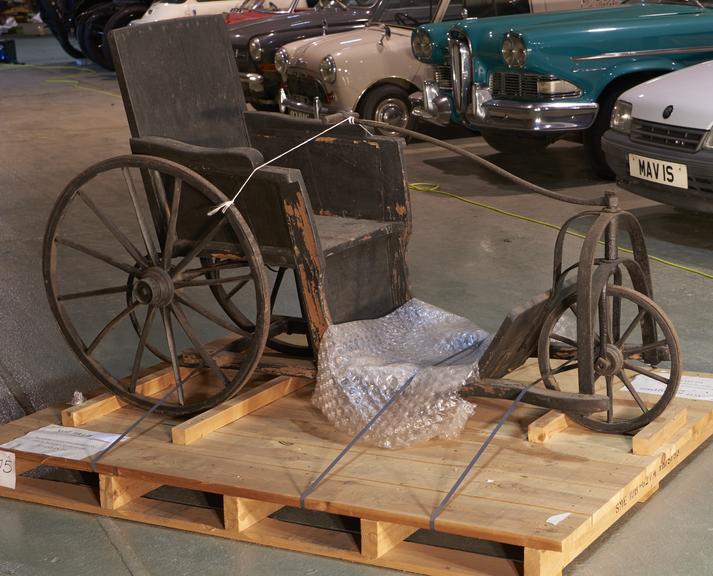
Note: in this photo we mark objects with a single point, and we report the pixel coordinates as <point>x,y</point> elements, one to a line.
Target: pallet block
<point>263,461</point>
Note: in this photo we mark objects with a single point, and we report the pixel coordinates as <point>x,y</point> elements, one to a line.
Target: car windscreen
<point>485,8</point>
<point>407,13</point>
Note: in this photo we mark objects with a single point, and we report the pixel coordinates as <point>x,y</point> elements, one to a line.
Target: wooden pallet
<point>262,462</point>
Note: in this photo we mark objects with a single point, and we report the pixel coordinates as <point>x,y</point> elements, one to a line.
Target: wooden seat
<point>338,234</point>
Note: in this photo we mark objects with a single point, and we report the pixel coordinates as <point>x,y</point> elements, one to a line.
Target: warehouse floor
<point>476,260</point>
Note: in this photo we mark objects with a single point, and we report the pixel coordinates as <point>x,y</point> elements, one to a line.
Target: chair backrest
<point>179,80</point>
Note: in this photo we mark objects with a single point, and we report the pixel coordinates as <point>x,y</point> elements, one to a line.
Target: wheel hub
<point>155,287</point>
<point>611,362</point>
<point>392,112</point>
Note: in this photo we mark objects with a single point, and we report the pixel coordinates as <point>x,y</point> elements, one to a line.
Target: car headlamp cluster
<point>421,45</point>
<point>282,59</point>
<point>552,87</point>
<point>513,50</point>
<point>708,140</point>
<point>328,69</point>
<point>621,116</point>
<point>255,49</point>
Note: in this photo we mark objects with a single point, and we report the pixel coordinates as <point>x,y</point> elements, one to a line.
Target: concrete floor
<point>55,121</point>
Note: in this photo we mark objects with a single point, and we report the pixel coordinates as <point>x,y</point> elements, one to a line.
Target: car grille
<point>305,87</point>
<point>515,85</point>
<point>442,76</point>
<point>676,137</point>
<point>701,184</point>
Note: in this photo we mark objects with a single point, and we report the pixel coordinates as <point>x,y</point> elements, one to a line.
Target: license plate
<point>668,173</point>
<point>298,114</point>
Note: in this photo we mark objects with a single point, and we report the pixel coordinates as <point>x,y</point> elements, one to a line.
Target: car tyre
<point>387,103</point>
<point>90,33</point>
<point>512,142</point>
<point>119,20</point>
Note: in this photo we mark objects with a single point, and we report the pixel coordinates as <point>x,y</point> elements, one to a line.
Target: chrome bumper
<point>430,105</point>
<point>485,111</point>
<point>253,82</point>
<point>301,109</point>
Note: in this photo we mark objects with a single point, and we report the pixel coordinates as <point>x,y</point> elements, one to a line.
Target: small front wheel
<point>639,338</point>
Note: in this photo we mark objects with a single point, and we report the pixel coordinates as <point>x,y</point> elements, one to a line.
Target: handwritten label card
<point>691,387</point>
<point>7,470</point>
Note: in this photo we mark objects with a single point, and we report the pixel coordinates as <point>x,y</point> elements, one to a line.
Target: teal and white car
<point>526,81</point>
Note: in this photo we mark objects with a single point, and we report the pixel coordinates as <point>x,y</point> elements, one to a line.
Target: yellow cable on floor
<point>436,189</point>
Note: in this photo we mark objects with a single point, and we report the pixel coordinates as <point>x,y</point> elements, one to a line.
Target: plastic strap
<point>484,447</point>
<point>313,485</point>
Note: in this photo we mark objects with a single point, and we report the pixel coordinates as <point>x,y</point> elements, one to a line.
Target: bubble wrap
<point>363,363</point>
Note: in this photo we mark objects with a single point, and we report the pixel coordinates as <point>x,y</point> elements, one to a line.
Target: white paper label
<point>7,470</point>
<point>691,387</point>
<point>62,442</point>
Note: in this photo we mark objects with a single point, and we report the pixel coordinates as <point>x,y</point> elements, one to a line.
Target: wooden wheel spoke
<point>96,254</point>
<point>140,217</point>
<point>140,350</point>
<point>160,193</point>
<point>630,387</point>
<point>171,341</point>
<point>566,367</point>
<point>237,288</point>
<point>637,350</point>
<point>610,393</point>
<point>645,372</point>
<point>110,326</point>
<point>245,278</point>
<point>118,234</point>
<point>564,339</point>
<point>630,328</point>
<point>171,233</point>
<point>207,359</point>
<point>200,245</point>
<point>91,293</point>
<point>191,273</point>
<point>210,316</point>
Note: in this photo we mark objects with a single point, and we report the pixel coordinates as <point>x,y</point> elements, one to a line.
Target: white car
<point>167,10</point>
<point>370,70</point>
<point>660,144</point>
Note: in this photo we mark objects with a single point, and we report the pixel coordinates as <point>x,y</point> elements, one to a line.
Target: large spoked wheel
<point>130,262</point>
<point>639,338</point>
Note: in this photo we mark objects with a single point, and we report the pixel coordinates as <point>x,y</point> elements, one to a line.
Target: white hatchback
<point>660,144</point>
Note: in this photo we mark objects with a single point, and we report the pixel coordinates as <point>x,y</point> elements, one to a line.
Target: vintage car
<point>255,9</point>
<point>371,70</point>
<point>255,42</point>
<point>661,140</point>
<point>526,81</point>
<point>180,9</point>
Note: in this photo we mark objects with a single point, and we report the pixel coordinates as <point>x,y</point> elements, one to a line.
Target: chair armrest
<point>202,159</point>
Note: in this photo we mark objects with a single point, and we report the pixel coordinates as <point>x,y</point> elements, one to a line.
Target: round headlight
<point>328,69</point>
<point>281,61</point>
<point>513,50</point>
<point>255,49</point>
<point>421,45</point>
